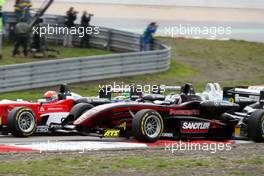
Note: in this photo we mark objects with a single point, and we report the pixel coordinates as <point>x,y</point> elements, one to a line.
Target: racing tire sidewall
<point>139,122</point>
<point>256,126</point>
<point>13,122</point>
<point>79,109</point>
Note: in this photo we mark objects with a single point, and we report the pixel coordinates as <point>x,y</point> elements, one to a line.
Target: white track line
<point>79,146</point>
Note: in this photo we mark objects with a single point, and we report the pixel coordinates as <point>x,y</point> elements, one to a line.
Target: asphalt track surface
<point>9,139</point>
<point>246,23</point>
<point>69,143</point>
<point>191,3</point>
<point>249,31</point>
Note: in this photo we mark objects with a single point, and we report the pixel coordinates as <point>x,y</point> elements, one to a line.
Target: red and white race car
<point>23,118</point>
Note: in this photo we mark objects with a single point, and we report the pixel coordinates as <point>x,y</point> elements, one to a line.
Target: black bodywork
<point>186,120</point>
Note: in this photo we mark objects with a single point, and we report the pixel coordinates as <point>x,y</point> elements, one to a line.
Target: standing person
<point>85,23</point>
<point>18,9</point>
<point>148,38</point>
<point>22,30</point>
<point>26,7</point>
<point>71,17</point>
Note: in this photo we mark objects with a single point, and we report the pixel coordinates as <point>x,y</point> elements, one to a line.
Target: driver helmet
<point>50,96</point>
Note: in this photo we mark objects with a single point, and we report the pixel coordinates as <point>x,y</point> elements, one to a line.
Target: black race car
<point>245,96</point>
<point>251,103</point>
<point>148,121</point>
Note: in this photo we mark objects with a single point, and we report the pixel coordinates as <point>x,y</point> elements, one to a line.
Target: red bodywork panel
<point>38,108</point>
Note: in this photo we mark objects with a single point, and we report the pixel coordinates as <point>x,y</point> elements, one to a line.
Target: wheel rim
<point>152,126</point>
<point>26,122</point>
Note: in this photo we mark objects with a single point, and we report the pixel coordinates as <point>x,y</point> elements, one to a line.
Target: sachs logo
<point>195,127</point>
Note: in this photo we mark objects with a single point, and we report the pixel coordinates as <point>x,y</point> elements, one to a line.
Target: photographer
<point>148,38</point>
<point>22,32</point>
<point>71,17</point>
<point>85,23</point>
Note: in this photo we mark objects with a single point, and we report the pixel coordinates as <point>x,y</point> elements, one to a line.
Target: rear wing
<point>106,92</point>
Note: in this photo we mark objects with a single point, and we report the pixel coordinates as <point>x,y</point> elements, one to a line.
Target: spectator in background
<point>85,23</point>
<point>148,38</point>
<point>22,31</point>
<point>18,9</point>
<point>22,9</point>
<point>71,17</point>
<point>26,6</point>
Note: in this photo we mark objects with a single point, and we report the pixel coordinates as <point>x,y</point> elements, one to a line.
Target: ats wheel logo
<point>195,127</point>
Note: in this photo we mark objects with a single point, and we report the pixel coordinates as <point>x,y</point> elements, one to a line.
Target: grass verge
<point>63,53</point>
<point>132,165</point>
<point>230,63</point>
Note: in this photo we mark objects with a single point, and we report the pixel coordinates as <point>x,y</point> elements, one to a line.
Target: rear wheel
<point>21,122</point>
<point>256,126</point>
<point>147,125</point>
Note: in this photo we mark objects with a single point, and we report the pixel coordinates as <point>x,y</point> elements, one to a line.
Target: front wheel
<point>256,126</point>
<point>147,125</point>
<point>76,112</point>
<point>79,109</point>
<point>21,122</point>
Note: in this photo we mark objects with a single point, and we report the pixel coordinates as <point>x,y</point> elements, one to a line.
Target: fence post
<point>109,38</point>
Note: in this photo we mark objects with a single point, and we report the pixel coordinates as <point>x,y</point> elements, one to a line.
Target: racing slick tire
<point>76,112</point>
<point>256,126</point>
<point>21,122</point>
<point>147,125</point>
<point>79,109</point>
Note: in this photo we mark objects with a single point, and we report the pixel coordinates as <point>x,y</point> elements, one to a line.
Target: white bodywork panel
<point>55,117</point>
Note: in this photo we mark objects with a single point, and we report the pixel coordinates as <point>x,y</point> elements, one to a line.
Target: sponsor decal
<point>55,109</point>
<point>42,129</point>
<point>194,127</point>
<point>170,135</point>
<point>231,100</point>
<point>184,112</point>
<point>238,130</point>
<point>122,125</point>
<point>42,109</point>
<point>223,103</point>
<point>112,133</point>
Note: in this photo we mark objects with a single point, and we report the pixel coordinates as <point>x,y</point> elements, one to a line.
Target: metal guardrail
<point>73,70</point>
<point>110,39</point>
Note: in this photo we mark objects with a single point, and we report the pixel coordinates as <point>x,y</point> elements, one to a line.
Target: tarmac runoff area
<point>244,23</point>
<point>88,143</point>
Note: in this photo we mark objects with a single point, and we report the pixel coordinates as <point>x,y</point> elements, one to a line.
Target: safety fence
<point>131,61</point>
